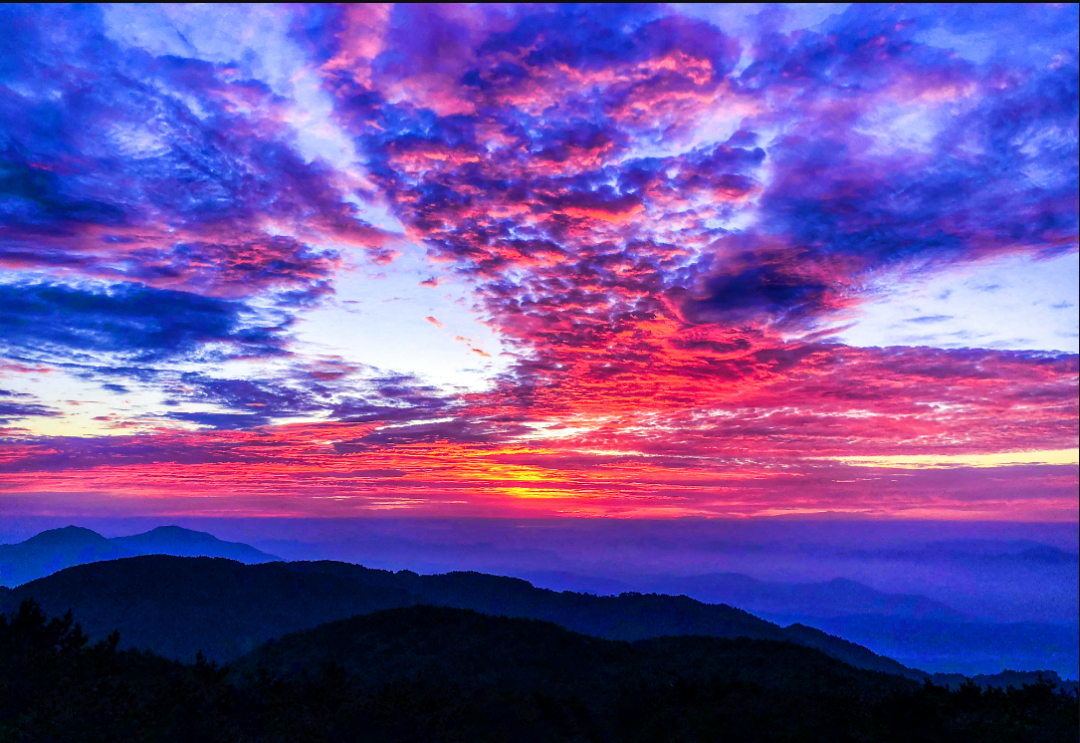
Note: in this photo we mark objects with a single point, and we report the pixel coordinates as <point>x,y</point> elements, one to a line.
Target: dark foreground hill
<point>438,674</point>
<point>57,549</point>
<point>180,606</point>
<point>463,647</point>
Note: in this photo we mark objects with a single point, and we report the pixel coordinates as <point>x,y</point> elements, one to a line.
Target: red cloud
<point>665,291</point>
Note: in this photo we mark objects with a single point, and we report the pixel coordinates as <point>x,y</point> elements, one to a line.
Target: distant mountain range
<point>955,646</point>
<point>834,598</point>
<point>57,549</point>
<point>913,630</point>
<point>177,607</point>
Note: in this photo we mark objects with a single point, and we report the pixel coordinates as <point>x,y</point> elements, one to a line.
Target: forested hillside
<point>439,674</point>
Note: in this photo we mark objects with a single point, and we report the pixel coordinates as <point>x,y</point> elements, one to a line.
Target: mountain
<point>966,647</point>
<point>915,631</point>
<point>427,673</point>
<point>991,551</point>
<point>179,542</point>
<point>834,598</point>
<point>56,549</point>
<point>912,629</point>
<point>179,606</point>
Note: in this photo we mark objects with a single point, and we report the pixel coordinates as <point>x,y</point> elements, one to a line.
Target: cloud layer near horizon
<point>663,218</point>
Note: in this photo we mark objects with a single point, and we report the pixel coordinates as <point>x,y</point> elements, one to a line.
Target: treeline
<point>438,674</point>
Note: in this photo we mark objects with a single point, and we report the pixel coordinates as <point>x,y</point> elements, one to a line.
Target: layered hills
<point>181,606</point>
<point>426,673</point>
<point>223,609</point>
<point>916,631</point>
<point>913,629</point>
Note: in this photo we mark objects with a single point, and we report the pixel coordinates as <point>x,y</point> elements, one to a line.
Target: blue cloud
<point>17,405</point>
<point>162,170</point>
<point>927,319</point>
<point>127,320</point>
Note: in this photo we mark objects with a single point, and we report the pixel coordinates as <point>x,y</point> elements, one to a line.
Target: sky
<point>538,261</point>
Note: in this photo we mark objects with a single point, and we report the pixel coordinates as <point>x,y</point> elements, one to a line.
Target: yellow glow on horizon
<point>542,493</point>
<point>1000,459</point>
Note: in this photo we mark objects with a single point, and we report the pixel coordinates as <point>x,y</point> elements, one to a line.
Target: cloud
<point>171,172</point>
<point>94,320</point>
<point>17,405</point>
<point>329,389</point>
<point>542,195</point>
<point>260,400</point>
<point>221,420</point>
<point>929,319</point>
<point>761,290</point>
<point>663,218</point>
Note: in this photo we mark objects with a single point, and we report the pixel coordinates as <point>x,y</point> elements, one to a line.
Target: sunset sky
<point>649,261</point>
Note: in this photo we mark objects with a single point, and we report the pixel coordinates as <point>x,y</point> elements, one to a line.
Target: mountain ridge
<point>835,597</point>
<point>177,606</point>
<point>905,629</point>
<point>53,550</point>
